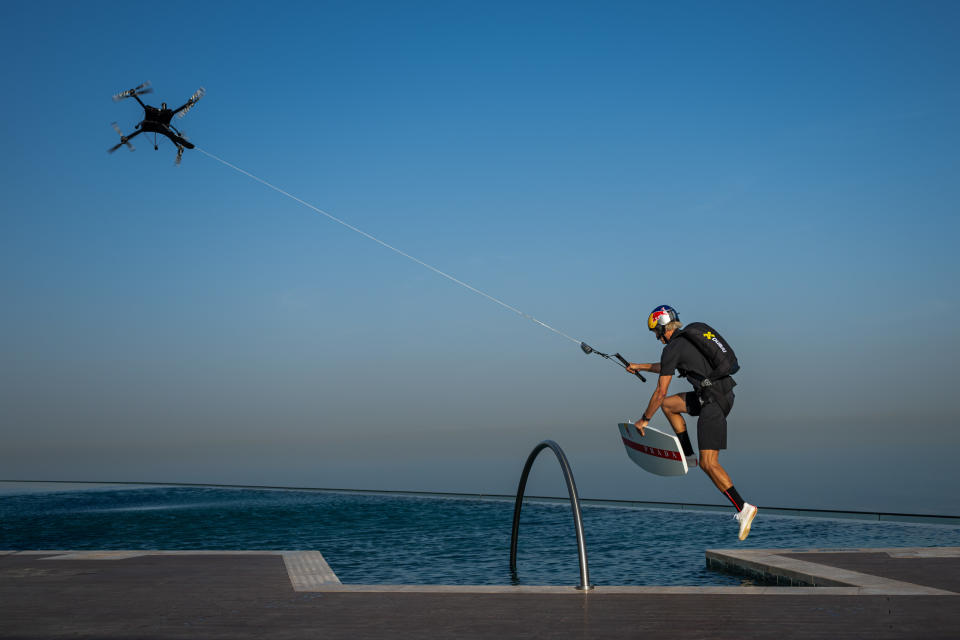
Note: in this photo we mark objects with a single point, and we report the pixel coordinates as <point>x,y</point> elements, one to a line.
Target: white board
<point>656,452</point>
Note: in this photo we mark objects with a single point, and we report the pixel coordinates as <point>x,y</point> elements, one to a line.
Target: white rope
<point>388,246</point>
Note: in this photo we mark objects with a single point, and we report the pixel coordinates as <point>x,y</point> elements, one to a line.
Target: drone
<point>156,121</point>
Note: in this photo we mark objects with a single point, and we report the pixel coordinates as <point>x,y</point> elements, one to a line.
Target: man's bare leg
<point>673,407</point>
<point>746,512</point>
<point>710,463</point>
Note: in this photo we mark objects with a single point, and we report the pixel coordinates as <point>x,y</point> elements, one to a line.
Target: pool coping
<point>308,571</point>
<point>772,565</point>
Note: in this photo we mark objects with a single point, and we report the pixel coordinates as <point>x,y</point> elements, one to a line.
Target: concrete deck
<point>875,593</point>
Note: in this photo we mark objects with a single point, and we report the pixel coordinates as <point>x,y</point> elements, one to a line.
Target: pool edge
<point>308,571</point>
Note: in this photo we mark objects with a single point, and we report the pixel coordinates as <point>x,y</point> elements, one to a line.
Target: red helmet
<point>660,317</point>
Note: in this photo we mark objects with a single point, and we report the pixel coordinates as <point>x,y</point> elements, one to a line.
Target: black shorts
<point>711,421</point>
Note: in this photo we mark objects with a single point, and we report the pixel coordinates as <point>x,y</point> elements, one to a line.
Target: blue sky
<point>784,172</point>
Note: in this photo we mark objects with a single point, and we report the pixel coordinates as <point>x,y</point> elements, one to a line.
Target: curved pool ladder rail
<point>574,506</point>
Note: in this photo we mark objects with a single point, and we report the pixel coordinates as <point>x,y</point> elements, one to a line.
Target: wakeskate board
<point>657,452</point>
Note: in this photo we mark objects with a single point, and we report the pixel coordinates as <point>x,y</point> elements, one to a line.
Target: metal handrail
<point>574,505</point>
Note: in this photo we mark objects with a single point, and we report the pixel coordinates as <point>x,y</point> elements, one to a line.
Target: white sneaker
<point>745,518</point>
<point>692,461</point>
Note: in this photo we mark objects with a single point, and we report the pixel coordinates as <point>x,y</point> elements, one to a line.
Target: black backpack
<point>717,351</point>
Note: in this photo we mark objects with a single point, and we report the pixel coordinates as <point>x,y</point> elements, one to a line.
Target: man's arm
<point>659,394</point>
<point>652,367</point>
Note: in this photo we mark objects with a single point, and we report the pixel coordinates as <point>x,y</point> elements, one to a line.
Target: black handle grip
<point>627,364</point>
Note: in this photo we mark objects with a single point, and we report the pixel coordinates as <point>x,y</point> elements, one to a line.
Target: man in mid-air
<point>698,353</point>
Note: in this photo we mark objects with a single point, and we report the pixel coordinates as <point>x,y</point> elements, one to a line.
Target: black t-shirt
<point>681,354</point>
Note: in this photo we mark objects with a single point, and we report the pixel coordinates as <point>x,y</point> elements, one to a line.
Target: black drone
<point>156,120</point>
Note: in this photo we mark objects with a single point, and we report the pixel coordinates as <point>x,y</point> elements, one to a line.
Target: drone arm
<point>194,99</point>
<point>184,106</point>
<point>137,98</point>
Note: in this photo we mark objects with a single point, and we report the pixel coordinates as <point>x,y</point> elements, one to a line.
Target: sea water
<point>404,539</point>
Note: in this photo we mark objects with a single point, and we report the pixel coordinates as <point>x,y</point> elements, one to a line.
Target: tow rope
<point>586,349</point>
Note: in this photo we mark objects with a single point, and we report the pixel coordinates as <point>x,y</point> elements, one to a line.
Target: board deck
<point>656,452</point>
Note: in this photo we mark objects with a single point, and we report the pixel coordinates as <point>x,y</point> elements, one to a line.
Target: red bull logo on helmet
<point>660,316</point>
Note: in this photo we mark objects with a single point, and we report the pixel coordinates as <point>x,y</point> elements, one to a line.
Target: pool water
<point>402,539</point>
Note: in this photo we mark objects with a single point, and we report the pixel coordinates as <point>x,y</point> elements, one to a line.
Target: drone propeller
<point>122,142</point>
<point>136,91</point>
<point>194,99</point>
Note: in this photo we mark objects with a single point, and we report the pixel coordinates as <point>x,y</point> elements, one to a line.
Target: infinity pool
<point>403,539</point>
